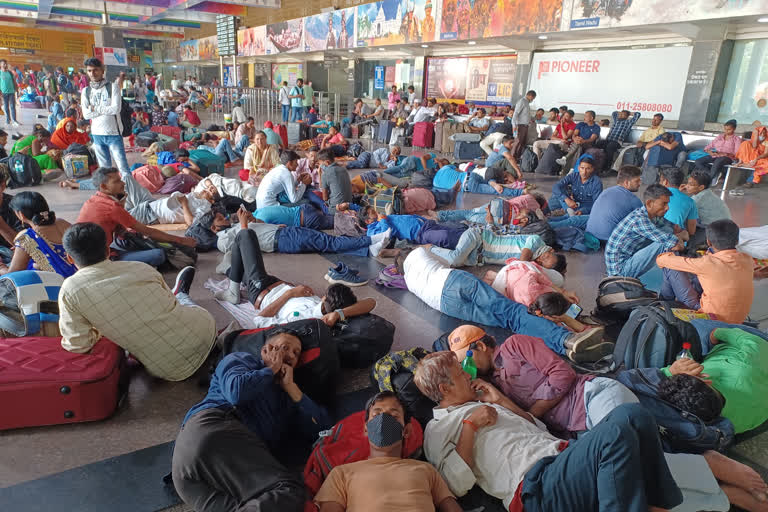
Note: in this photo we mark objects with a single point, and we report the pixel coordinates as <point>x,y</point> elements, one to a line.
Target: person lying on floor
<point>449,174</point>
<point>305,215</point>
<point>219,147</point>
<point>129,303</point>
<point>215,230</point>
<point>411,484</point>
<point>525,281</point>
<point>226,456</point>
<point>279,302</point>
<point>411,164</point>
<point>733,372</point>
<point>462,295</point>
<point>229,187</point>
<point>719,283</point>
<point>479,436</point>
<point>546,387</point>
<point>412,228</point>
<point>499,211</point>
<point>381,158</point>
<point>179,160</point>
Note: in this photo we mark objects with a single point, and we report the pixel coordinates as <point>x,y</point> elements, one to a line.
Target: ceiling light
<point>762,20</point>
<point>425,46</point>
<point>471,42</point>
<point>543,37</point>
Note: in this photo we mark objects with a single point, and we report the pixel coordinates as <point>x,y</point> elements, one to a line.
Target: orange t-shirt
<point>105,211</point>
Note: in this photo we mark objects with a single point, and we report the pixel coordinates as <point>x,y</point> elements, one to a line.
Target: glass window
<point>745,97</point>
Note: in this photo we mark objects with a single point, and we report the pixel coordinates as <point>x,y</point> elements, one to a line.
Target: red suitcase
<point>43,384</point>
<point>424,135</point>
<point>282,131</point>
<point>171,131</point>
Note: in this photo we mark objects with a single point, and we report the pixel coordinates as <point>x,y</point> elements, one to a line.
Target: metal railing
<point>263,104</point>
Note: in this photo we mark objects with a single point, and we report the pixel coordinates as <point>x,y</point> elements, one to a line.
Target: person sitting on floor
<point>479,436</point>
<point>259,158</point>
<point>719,283</point>
<point>504,152</point>
<point>709,206</point>
<point>545,386</point>
<point>221,148</point>
<point>335,184</point>
<point>113,208</point>
<point>129,303</point>
<point>413,228</point>
<point>280,180</point>
<point>615,203</point>
<point>682,210</point>
<point>189,118</point>
<point>279,302</point>
<point>412,484</point>
<point>462,295</point>
<point>578,191</point>
<point>309,165</point>
<point>226,455</point>
<point>334,141</point>
<point>637,240</point>
<point>273,138</point>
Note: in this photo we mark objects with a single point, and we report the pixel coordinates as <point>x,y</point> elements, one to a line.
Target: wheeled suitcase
<point>449,128</point>
<point>384,131</point>
<point>355,131</point>
<point>282,131</point>
<point>294,132</point>
<point>208,162</point>
<point>43,384</point>
<point>467,150</point>
<point>439,127</point>
<point>424,135</point>
<point>168,142</point>
<point>171,131</point>
<point>145,139</point>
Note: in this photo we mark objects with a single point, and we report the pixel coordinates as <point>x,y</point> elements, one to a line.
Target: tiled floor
<point>153,409</point>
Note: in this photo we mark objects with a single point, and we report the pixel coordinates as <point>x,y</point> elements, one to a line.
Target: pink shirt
<point>304,167</point>
<point>525,281</point>
<point>523,202</point>
<point>392,99</point>
<point>723,145</point>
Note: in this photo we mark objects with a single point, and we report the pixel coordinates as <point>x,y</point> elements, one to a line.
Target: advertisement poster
<point>188,50</point>
<point>330,31</point>
<point>112,56</point>
<point>395,22</point>
<point>287,72</point>
<point>598,79</point>
<point>477,80</point>
<point>501,80</point>
<point>147,59</point>
<point>250,41</point>
<point>468,19</point>
<point>378,77</point>
<point>285,36</point>
<point>590,14</point>
<point>446,78</point>
<point>208,48</point>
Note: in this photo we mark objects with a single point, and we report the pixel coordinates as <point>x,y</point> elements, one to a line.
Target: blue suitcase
<point>384,132</point>
<point>467,150</point>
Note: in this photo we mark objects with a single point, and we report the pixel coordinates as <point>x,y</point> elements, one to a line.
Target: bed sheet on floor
<point>244,312</point>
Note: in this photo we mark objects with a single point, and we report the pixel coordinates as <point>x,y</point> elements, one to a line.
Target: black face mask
<point>384,430</point>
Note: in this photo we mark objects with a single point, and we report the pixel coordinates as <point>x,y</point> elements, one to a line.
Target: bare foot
<point>490,276</point>
<point>69,184</point>
<point>735,473</point>
<point>455,192</point>
<point>389,253</point>
<point>743,499</point>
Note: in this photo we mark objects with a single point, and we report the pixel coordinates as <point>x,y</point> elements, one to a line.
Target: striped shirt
<point>621,127</point>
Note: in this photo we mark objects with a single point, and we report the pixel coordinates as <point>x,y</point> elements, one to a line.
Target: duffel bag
<point>380,198</point>
<point>618,296</point>
<point>362,340</point>
<point>394,372</point>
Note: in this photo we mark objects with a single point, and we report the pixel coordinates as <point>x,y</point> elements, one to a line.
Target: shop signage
<point>378,77</point>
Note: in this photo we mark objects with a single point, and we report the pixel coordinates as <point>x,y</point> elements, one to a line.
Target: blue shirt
<point>496,156</point>
<point>586,131</point>
<point>609,209</point>
<point>173,119</point>
<point>288,215</point>
<point>296,102</point>
<point>430,162</point>
<point>583,193</point>
<point>658,155</point>
<point>620,128</point>
<point>404,227</point>
<point>272,137</point>
<point>447,177</point>
<point>633,233</point>
<point>681,208</point>
<point>241,380</point>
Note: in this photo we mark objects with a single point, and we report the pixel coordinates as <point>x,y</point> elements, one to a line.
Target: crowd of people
<point>530,430</point>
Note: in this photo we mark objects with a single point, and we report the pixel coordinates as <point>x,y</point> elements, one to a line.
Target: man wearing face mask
<point>224,455</point>
<point>115,207</point>
<point>410,484</point>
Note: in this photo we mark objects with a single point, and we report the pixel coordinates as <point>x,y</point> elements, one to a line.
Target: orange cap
<point>463,335</point>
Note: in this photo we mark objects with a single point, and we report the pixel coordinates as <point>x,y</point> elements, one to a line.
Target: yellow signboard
<point>20,40</point>
<point>53,40</point>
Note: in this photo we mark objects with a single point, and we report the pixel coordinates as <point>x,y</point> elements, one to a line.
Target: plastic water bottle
<point>469,366</point>
<point>685,353</point>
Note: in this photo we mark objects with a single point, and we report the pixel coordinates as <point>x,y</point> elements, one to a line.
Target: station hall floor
<point>112,463</point>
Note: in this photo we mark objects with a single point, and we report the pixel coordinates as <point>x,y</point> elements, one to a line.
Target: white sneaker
<point>15,124</point>
<point>560,161</point>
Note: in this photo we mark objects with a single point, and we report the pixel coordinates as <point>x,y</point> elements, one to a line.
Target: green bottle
<point>469,366</point>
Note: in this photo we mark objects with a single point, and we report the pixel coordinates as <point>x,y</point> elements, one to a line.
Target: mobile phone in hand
<point>573,311</point>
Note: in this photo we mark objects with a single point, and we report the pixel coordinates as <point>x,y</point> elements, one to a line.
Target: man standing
<point>520,119</point>
<point>8,88</point>
<point>620,129</point>
<point>297,100</point>
<point>285,101</point>
<point>101,103</point>
<point>639,238</point>
<point>615,203</point>
<point>309,93</point>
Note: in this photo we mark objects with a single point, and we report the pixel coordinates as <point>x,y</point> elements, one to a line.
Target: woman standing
<point>393,97</point>
<point>722,151</point>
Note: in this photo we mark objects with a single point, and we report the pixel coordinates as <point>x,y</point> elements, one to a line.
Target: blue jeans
<point>86,184</point>
<point>292,240</point>
<point>242,145</point>
<point>642,261</point>
<point>440,235</point>
<point>466,251</point>
<point>406,168</point>
<point>315,219</point>
<point>5,255</point>
<point>618,466</point>
<point>308,197</point>
<point>681,286</point>
<point>442,196</point>
<point>9,102</point>
<point>224,150</point>
<point>154,257</point>
<point>468,298</point>
<point>296,113</point>
<point>106,145</point>
<point>286,112</point>
<point>705,327</point>
<point>577,221</point>
<point>476,215</point>
<point>476,184</point>
<point>363,161</point>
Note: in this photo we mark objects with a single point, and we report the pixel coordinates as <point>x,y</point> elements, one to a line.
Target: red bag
<point>43,384</point>
<point>463,109</point>
<point>282,131</point>
<point>355,131</point>
<point>149,177</point>
<point>171,131</point>
<point>418,200</point>
<point>424,135</point>
<point>347,443</point>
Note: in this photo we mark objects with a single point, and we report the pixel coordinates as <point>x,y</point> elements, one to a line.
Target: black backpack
<point>24,170</point>
<point>653,336</point>
<point>363,340</point>
<point>79,149</point>
<point>124,119</point>
<point>618,296</point>
<point>529,161</point>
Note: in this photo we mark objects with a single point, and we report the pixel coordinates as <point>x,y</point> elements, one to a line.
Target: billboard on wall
<point>188,50</point>
<point>250,41</point>
<point>483,80</point>
<point>597,80</point>
<point>112,56</point>
<point>208,48</point>
<point>591,14</point>
<point>330,30</point>
<point>285,36</point>
<point>395,22</point>
<point>286,72</point>
<point>469,19</point>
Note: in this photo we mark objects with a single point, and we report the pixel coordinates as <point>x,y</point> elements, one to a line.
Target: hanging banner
<point>395,22</point>
<point>378,77</point>
<point>285,36</point>
<point>207,48</point>
<point>188,50</point>
<point>250,41</point>
<point>287,72</point>
<point>470,19</point>
<point>330,30</point>
<point>598,80</point>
